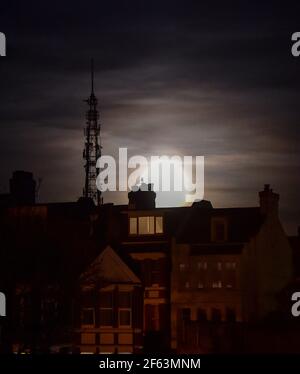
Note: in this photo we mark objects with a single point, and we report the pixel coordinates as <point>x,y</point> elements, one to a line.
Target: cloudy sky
<point>172,77</point>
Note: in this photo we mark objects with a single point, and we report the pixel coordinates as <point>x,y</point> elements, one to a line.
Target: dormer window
<point>218,229</point>
<point>146,225</point>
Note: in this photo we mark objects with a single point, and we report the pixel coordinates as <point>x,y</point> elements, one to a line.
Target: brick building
<point>228,268</point>
<point>140,278</point>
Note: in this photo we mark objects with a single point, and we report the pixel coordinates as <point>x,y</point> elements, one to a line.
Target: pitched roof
<point>108,267</point>
<point>243,223</point>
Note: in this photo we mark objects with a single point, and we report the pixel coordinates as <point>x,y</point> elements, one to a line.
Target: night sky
<point>172,77</point>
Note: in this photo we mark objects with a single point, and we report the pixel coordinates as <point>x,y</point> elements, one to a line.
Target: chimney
<point>268,201</point>
<point>22,187</point>
<point>142,197</point>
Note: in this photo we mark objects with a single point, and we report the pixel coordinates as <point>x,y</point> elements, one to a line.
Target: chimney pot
<point>142,197</point>
<point>268,201</point>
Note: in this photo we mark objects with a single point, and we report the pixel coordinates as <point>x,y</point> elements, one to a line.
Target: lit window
<point>159,225</point>
<point>125,309</point>
<point>202,265</point>
<point>230,265</point>
<point>202,274</point>
<point>182,267</point>
<point>217,284</point>
<point>216,275</point>
<point>133,225</point>
<point>88,317</point>
<point>230,275</point>
<point>200,285</point>
<point>151,225</point>
<point>146,225</point>
<point>106,308</point>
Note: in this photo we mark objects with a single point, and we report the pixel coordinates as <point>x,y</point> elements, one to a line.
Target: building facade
<point>141,279</point>
<point>108,311</point>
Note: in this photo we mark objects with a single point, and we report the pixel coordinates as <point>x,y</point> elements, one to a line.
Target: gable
<point>109,268</point>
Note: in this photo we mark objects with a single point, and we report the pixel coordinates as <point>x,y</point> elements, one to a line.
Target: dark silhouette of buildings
<point>136,278</point>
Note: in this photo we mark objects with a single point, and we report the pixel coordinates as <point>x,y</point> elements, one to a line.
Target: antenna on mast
<point>92,74</point>
<point>92,148</point>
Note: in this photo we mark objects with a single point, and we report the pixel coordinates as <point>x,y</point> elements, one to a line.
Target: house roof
<point>108,267</point>
<point>243,223</point>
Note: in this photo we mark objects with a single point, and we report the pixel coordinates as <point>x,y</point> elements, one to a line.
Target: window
<point>133,225</point>
<point>216,315</point>
<point>182,267</point>
<point>230,315</point>
<point>88,338</point>
<point>202,274</point>
<point>230,275</point>
<point>230,265</point>
<point>202,265</point>
<point>156,271</point>
<point>124,309</point>
<point>201,315</point>
<point>200,284</point>
<point>146,225</point>
<point>88,316</point>
<point>186,314</point>
<point>218,230</point>
<point>159,225</point>
<point>106,308</point>
<point>152,320</point>
<point>216,284</point>
<point>125,317</point>
<point>187,284</point>
<point>217,275</point>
